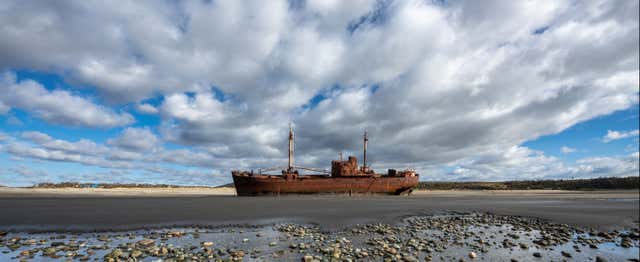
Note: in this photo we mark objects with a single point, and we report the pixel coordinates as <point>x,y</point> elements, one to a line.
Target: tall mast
<point>290,148</point>
<point>364,160</point>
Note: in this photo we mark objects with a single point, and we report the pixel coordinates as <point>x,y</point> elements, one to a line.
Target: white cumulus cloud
<point>57,106</point>
<point>567,150</point>
<point>615,135</point>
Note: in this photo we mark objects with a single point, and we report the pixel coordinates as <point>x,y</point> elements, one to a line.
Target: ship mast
<point>290,169</point>
<point>364,159</point>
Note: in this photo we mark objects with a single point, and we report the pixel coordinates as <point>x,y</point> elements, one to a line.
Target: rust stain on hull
<point>247,185</point>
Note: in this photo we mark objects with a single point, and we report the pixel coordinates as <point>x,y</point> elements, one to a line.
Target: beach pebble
<point>472,255</point>
<point>146,242</point>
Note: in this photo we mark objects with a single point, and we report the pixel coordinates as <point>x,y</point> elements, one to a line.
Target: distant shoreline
<point>601,183</point>
<point>19,192</point>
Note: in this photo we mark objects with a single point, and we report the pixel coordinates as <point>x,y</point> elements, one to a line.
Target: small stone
<point>336,252</point>
<point>626,243</point>
<point>146,242</point>
<point>307,258</point>
<point>175,234</point>
<point>472,255</point>
<point>136,253</point>
<point>207,244</point>
<point>600,259</point>
<point>245,240</point>
<point>239,253</point>
<point>537,254</point>
<point>565,254</point>
<point>273,244</point>
<point>25,253</point>
<point>50,251</point>
<point>103,238</point>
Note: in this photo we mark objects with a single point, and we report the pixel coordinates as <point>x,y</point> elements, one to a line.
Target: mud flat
<point>83,210</point>
<point>208,224</point>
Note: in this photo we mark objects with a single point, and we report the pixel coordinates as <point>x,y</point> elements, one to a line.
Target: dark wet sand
<point>602,210</point>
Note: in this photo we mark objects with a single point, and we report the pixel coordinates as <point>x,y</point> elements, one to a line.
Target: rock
<point>206,244</point>
<point>146,242</point>
<point>25,253</point>
<point>104,238</point>
<point>55,244</point>
<point>537,254</point>
<point>392,251</point>
<point>605,235</point>
<point>50,251</point>
<point>175,234</point>
<point>600,259</point>
<point>336,252</point>
<point>472,255</point>
<point>136,253</point>
<point>273,244</point>
<point>116,253</point>
<point>307,258</point>
<point>626,242</point>
<point>245,240</point>
<point>523,246</point>
<point>239,253</point>
<point>565,254</point>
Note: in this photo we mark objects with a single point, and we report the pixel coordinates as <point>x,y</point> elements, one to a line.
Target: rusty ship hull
<point>345,177</point>
<point>255,185</point>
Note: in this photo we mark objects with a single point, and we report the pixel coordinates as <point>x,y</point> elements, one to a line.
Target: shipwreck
<point>345,177</point>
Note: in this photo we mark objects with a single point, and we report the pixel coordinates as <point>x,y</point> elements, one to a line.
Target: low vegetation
<point>632,182</point>
<point>100,185</point>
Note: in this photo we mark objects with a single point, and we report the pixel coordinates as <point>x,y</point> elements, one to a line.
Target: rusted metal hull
<point>247,185</point>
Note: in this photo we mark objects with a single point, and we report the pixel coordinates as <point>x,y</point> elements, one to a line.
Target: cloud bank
<point>439,85</point>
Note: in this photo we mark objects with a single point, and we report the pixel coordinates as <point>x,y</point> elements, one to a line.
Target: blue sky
<point>454,90</point>
<point>587,137</point>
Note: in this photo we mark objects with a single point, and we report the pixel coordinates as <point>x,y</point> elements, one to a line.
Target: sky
<point>183,92</point>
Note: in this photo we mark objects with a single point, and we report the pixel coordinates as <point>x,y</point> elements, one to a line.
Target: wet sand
<point>107,209</point>
<point>61,209</point>
<point>205,224</point>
